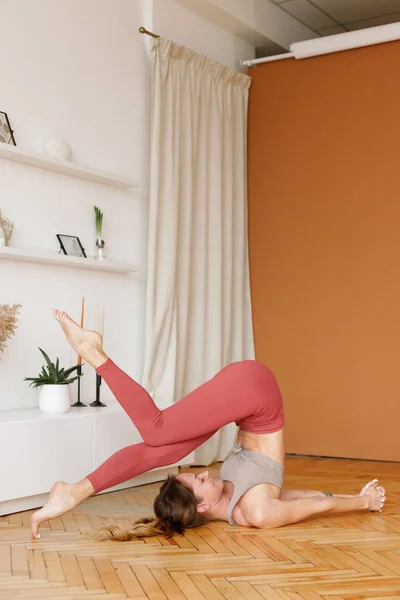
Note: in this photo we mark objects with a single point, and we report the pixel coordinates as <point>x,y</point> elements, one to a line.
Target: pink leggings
<point>244,392</point>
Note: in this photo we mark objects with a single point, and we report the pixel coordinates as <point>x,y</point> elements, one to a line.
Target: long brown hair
<point>175,508</point>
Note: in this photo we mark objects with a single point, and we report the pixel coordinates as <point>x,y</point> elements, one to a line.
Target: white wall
<point>79,69</point>
<point>76,69</point>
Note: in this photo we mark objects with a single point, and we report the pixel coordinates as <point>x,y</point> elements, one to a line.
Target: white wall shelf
<point>41,161</point>
<point>47,257</point>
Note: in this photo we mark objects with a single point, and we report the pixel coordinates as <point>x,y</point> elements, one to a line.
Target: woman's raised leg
<point>243,391</point>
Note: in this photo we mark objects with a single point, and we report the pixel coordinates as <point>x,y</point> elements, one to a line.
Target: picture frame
<point>6,132</point>
<point>70,245</point>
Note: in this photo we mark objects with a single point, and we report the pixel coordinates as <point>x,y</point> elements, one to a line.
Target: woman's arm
<point>276,513</point>
<point>299,494</point>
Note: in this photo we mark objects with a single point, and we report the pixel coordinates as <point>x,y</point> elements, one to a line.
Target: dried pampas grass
<point>8,323</point>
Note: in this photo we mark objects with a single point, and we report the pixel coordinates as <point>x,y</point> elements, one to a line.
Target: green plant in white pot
<point>53,381</point>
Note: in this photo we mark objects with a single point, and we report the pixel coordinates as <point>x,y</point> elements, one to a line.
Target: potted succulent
<point>54,396</point>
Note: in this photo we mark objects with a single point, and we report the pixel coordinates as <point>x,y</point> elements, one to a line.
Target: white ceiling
<point>327,17</point>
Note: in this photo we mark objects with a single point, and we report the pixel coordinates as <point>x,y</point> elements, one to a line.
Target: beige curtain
<point>198,299</point>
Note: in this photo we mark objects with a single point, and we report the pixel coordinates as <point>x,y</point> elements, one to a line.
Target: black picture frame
<point>70,245</point>
<point>8,136</point>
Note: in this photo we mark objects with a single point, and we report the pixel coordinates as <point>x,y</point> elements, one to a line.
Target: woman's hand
<point>375,494</point>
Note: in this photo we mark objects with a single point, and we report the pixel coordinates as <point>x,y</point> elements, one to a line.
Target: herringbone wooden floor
<point>338,557</point>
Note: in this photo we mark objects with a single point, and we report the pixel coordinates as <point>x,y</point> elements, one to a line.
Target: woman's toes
<point>35,522</point>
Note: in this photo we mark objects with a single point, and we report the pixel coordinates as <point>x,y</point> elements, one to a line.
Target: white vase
<point>54,398</point>
<point>100,252</point>
<point>58,148</point>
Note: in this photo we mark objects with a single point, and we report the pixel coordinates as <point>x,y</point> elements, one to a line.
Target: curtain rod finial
<point>144,30</point>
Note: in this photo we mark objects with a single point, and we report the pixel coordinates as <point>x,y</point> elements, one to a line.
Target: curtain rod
<point>143,30</point>
<point>335,43</point>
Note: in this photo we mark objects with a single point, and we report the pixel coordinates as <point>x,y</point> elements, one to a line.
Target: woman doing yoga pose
<point>249,492</point>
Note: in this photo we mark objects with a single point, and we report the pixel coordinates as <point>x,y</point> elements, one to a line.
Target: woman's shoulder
<point>253,502</point>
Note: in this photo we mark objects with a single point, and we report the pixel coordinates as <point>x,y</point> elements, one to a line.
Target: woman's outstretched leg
<point>244,392</point>
<point>121,466</point>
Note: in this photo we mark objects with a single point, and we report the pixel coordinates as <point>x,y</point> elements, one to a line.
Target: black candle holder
<point>78,403</point>
<point>97,401</point>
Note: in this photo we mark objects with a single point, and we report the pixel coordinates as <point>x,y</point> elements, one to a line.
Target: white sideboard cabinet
<point>38,449</point>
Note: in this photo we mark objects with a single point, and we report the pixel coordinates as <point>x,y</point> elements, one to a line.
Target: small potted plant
<point>54,396</point>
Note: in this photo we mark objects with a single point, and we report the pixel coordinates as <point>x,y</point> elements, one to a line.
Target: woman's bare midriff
<point>271,445</point>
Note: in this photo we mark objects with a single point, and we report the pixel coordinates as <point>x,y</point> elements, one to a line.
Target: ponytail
<point>146,527</point>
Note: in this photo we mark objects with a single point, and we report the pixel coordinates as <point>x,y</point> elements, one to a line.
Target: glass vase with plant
<point>100,243</point>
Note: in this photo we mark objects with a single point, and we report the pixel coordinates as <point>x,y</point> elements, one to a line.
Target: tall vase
<point>3,239</point>
<point>100,252</point>
<point>6,228</point>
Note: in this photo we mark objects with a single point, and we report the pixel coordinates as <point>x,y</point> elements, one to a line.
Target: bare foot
<point>63,498</point>
<point>60,501</point>
<point>376,495</point>
<point>87,344</point>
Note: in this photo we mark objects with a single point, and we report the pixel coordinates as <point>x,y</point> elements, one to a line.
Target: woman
<point>249,492</point>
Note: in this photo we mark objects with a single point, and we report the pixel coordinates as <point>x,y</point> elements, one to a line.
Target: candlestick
<point>82,321</point>
<point>99,327</point>
<point>82,311</point>
<point>102,324</point>
<point>79,370</point>
<point>78,402</point>
<point>97,402</point>
<point>96,327</point>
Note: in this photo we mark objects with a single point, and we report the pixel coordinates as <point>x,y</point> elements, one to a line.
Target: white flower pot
<point>54,398</point>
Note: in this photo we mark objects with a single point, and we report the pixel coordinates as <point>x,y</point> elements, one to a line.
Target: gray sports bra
<point>246,469</point>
